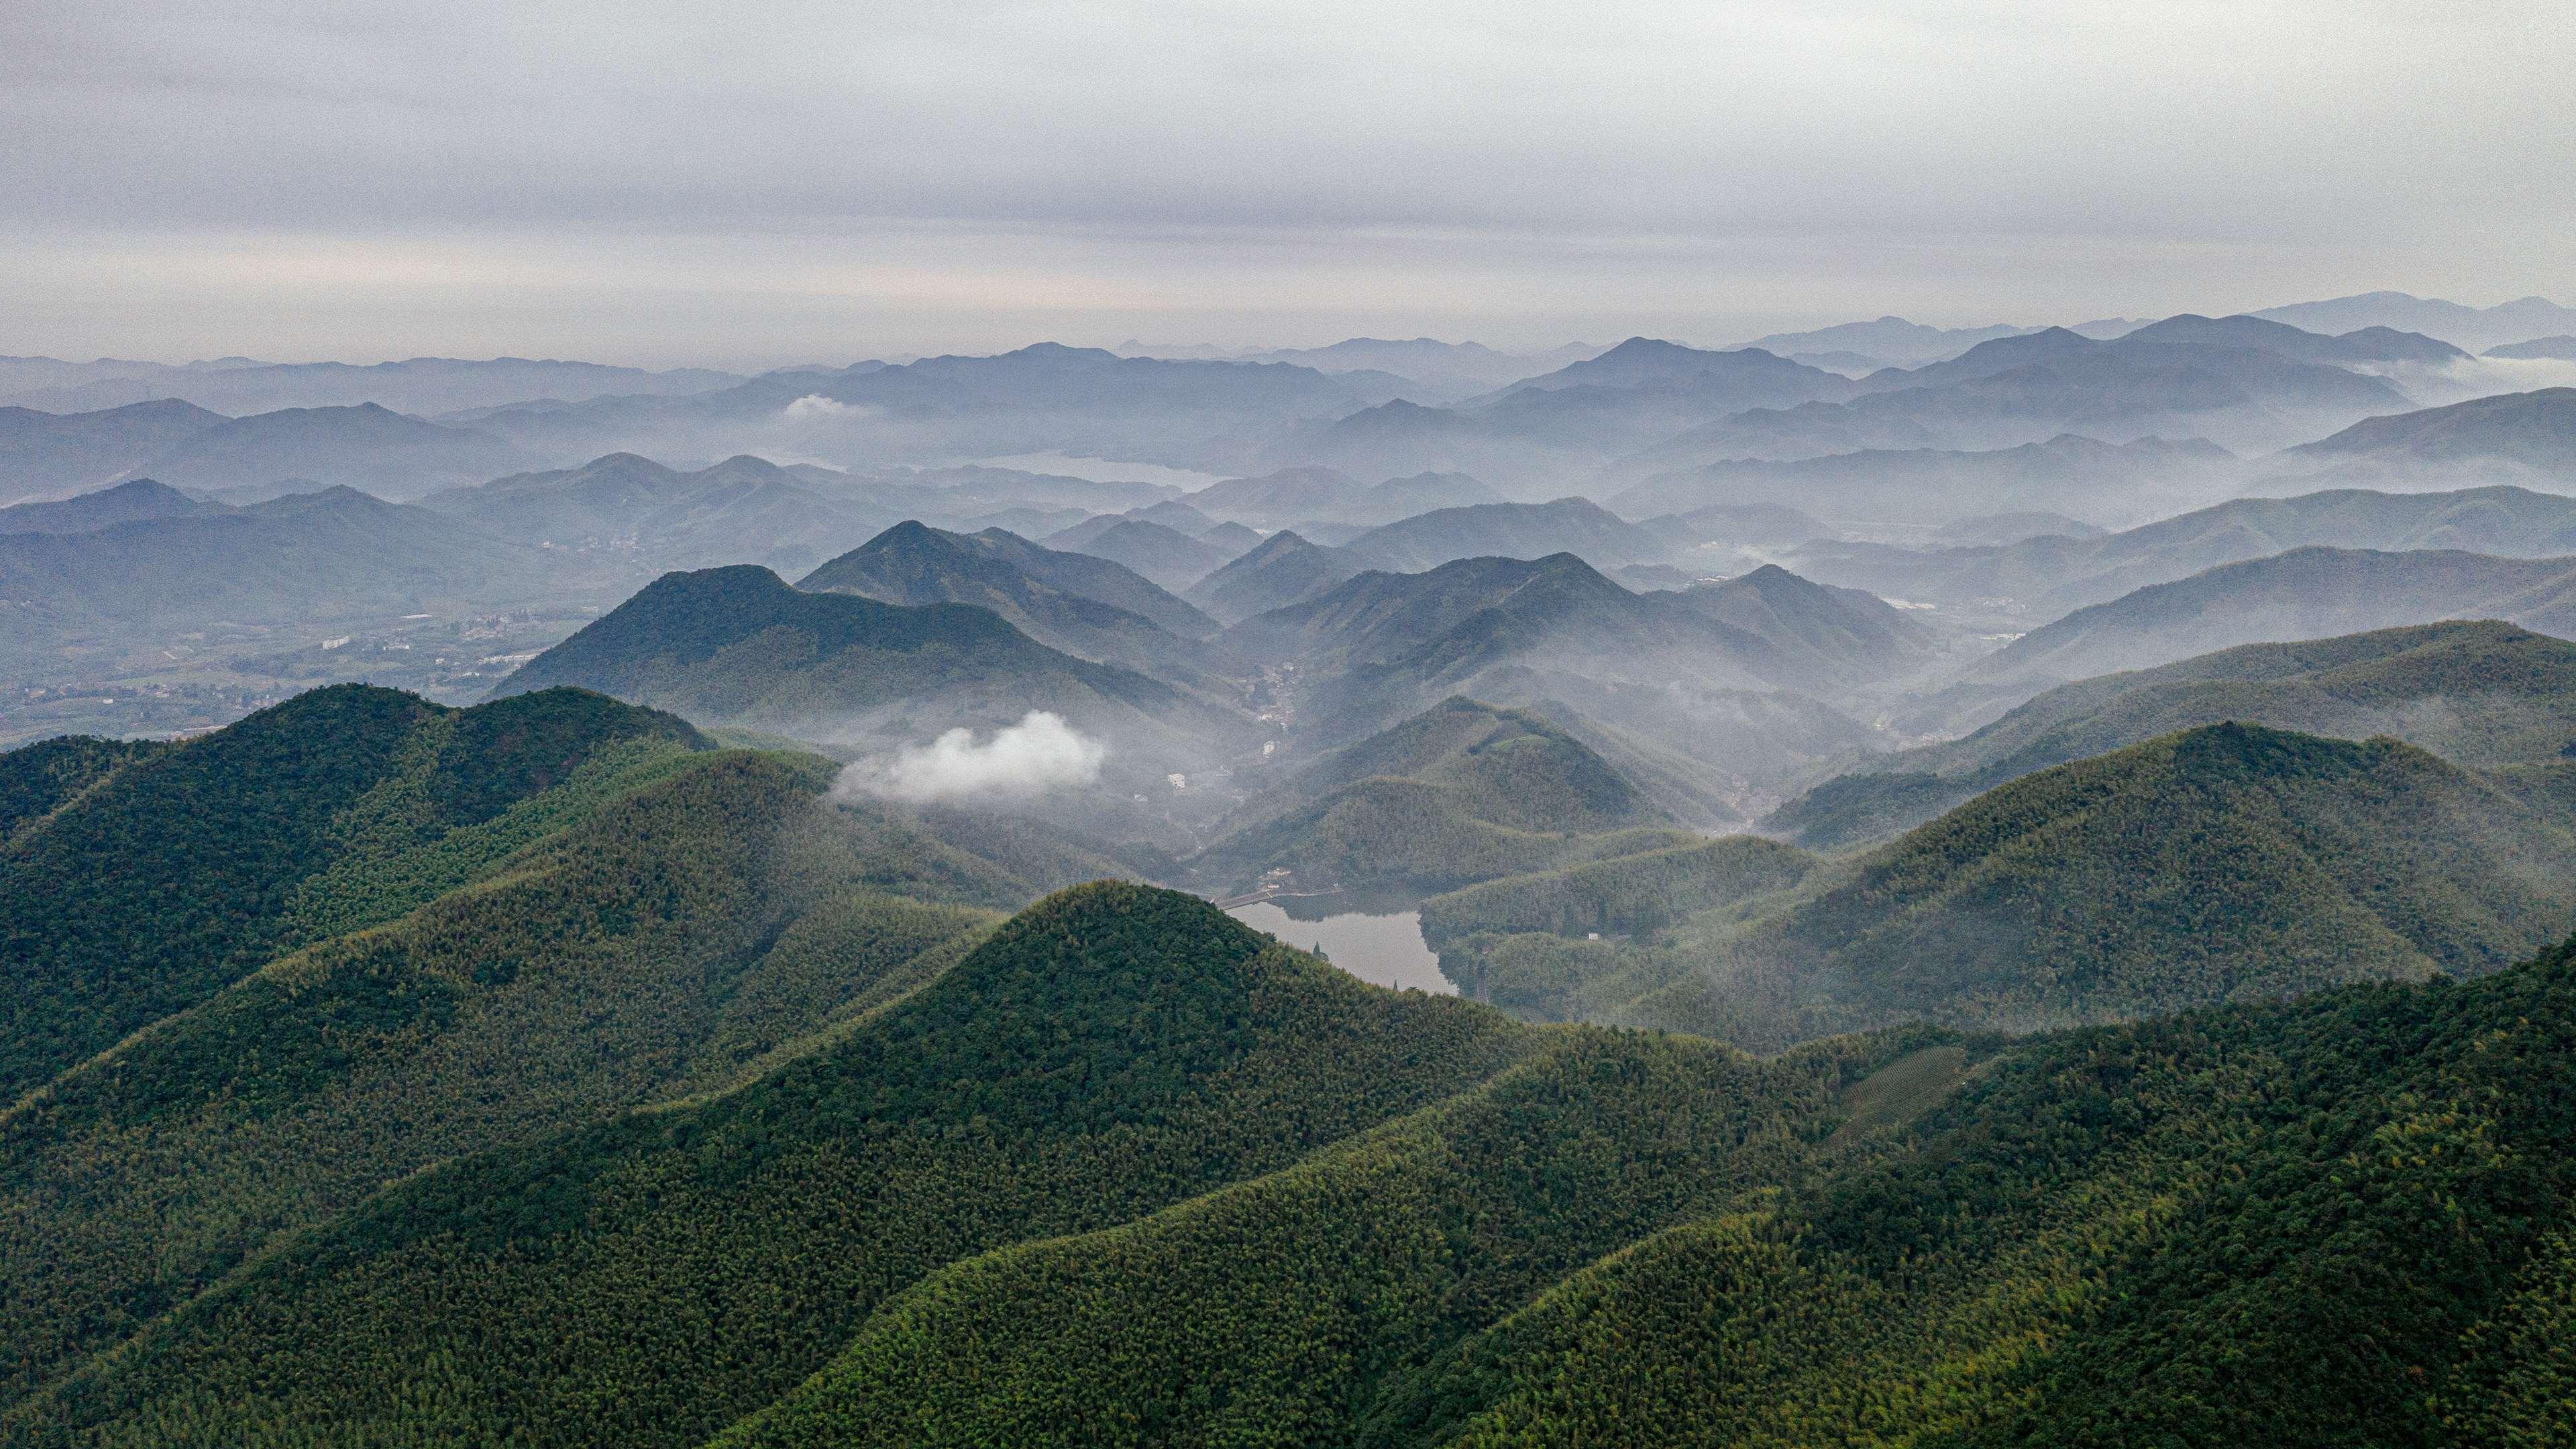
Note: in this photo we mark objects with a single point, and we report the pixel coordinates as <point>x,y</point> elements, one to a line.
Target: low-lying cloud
<point>814,407</point>
<point>1038,754</point>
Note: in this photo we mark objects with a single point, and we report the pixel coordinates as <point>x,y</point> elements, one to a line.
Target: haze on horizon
<point>668,184</point>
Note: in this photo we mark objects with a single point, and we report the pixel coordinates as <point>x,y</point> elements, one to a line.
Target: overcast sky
<point>768,182</point>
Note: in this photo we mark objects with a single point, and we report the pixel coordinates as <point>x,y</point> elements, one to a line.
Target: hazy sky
<point>771,182</point>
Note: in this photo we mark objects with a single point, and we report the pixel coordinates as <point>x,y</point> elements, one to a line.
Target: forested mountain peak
<point>2480,693</point>
<point>216,838</point>
<point>139,498</point>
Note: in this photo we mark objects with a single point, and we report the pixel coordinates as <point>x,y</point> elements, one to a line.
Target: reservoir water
<point>1382,946</point>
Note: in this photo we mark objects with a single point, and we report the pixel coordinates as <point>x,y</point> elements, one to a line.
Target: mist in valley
<point>1405,725</point>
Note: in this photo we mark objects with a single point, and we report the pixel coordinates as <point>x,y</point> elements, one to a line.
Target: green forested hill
<point>429,932</point>
<point>1283,1311</point>
<point>1528,943</point>
<point>664,939</point>
<point>180,870</point>
<point>1110,1052</point>
<point>2480,693</point>
<point>37,780</point>
<point>1520,770</point>
<point>1408,832</point>
<point>1127,1173</point>
<point>537,1074</point>
<point>2218,863</point>
<point>1464,791</point>
<point>2223,862</point>
<point>384,934</point>
<point>2342,1221</point>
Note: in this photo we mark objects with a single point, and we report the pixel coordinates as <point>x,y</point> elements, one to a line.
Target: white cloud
<point>1038,754</point>
<point>814,407</point>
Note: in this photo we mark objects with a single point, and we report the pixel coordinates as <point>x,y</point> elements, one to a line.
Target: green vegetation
<point>540,1074</point>
<point>218,845</point>
<point>2340,1221</point>
<point>666,943</point>
<point>1297,1308</point>
<point>1407,831</point>
<point>522,917</point>
<point>2480,694</point>
<point>39,779</point>
<point>2334,1222</point>
<point>1521,770</point>
<point>1629,894</point>
<point>2219,863</point>
<point>1463,791</point>
<point>1521,942</point>
<point>1112,1051</point>
<point>2222,862</point>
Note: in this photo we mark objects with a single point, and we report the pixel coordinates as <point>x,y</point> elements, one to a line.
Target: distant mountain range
<point>48,455</point>
<point>2262,334</point>
<point>365,447</point>
<point>247,459</point>
<point>1887,342</point>
<point>1932,486</point>
<point>2523,437</point>
<point>1647,406</point>
<point>1707,692</point>
<point>1304,497</point>
<point>1037,398</point>
<point>2474,328</point>
<point>2035,386</point>
<point>2561,348</point>
<point>314,557</point>
<point>1166,556</point>
<point>423,385</point>
<point>634,510</point>
<point>2043,577</point>
<point>1768,627</point>
<point>1637,393</point>
<point>1511,530</point>
<point>1170,513</point>
<point>1442,370</point>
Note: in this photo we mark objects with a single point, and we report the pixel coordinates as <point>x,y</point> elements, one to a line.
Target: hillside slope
<point>738,646</point>
<point>2220,863</point>
<point>224,849</point>
<point>1282,569</point>
<point>2480,694</point>
<point>1463,791</point>
<point>2341,1221</point>
<point>2307,593</point>
<point>1107,1053</point>
<point>1092,607</point>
